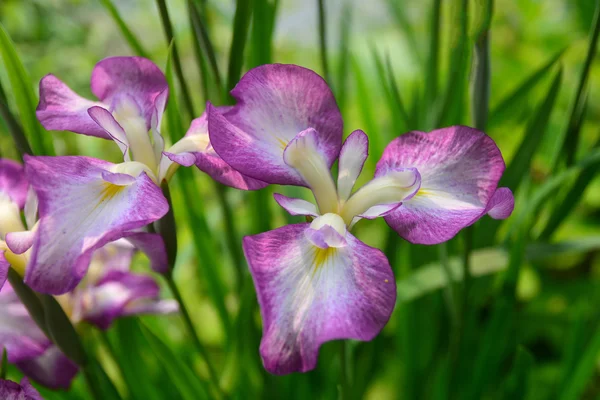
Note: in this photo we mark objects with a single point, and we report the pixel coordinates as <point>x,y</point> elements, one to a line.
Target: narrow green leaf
<point>105,385</point>
<point>125,31</point>
<point>404,121</point>
<point>432,67</point>
<point>480,83</point>
<point>29,299</point>
<point>366,110</point>
<point>342,72</point>
<point>198,53</point>
<point>3,364</point>
<point>241,23</point>
<point>510,105</point>
<point>394,104</point>
<point>21,142</point>
<point>25,99</point>
<point>323,39</point>
<point>398,12</point>
<point>572,133</point>
<point>516,385</point>
<point>261,37</point>
<point>186,381</point>
<point>584,370</point>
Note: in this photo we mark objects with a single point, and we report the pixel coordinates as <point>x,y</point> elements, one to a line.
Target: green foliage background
<point>523,323</point>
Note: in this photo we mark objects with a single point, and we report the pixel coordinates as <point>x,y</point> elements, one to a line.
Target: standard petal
<point>208,161</point>
<point>153,246</point>
<point>20,242</point>
<point>353,155</point>
<point>296,206</point>
<point>309,295</point>
<point>502,204</point>
<point>14,391</point>
<point>111,127</point>
<point>13,182</point>
<point>51,369</point>
<point>274,103</point>
<point>460,168</point>
<point>79,213</point>
<point>61,109</point>
<point>137,77</point>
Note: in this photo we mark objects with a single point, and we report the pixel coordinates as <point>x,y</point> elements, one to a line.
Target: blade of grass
<point>21,142</point>
<point>516,385</point>
<point>398,101</point>
<point>509,106</point>
<point>342,72</point>
<point>168,29</point>
<point>241,23</point>
<point>397,9</point>
<point>200,61</point>
<point>570,138</point>
<point>323,39</point>
<point>25,99</point>
<point>584,370</point>
<point>394,103</point>
<point>125,31</point>
<point>261,37</point>
<point>366,111</point>
<point>431,71</point>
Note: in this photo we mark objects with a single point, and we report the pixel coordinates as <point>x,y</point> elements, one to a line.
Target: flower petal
<point>61,109</point>
<point>296,206</point>
<point>20,242</point>
<point>309,296</point>
<point>274,103</point>
<point>137,77</point>
<point>460,168</point>
<point>4,266</point>
<point>502,204</point>
<point>13,182</point>
<point>79,213</point>
<point>208,161</point>
<point>107,122</point>
<point>353,155</point>
<point>52,369</point>
<point>153,246</point>
<point>14,391</point>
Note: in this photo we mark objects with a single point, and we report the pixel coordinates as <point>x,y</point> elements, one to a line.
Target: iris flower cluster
<point>315,280</point>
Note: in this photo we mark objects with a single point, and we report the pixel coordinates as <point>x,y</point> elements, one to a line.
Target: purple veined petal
<point>208,161</point>
<point>20,242</point>
<point>19,334</point>
<point>184,158</point>
<point>274,103</point>
<point>51,369</point>
<point>108,299</point>
<point>296,206</point>
<point>309,296</point>
<point>79,213</point>
<point>380,210</point>
<point>61,109</point>
<point>18,391</point>
<point>4,266</point>
<point>137,77</point>
<point>460,168</point>
<point>13,182</point>
<point>153,246</point>
<point>353,155</point>
<point>502,204</point>
<point>105,120</point>
<point>158,142</point>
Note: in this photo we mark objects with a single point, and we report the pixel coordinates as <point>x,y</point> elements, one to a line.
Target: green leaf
<point>432,67</point>
<point>263,25</point>
<point>570,137</point>
<point>402,20</point>
<point>399,116</point>
<point>480,84</point>
<point>21,142</point>
<point>400,108</point>
<point>243,13</point>
<point>3,364</point>
<point>127,33</point>
<point>584,370</point>
<point>323,39</point>
<point>366,110</point>
<point>25,99</point>
<point>516,385</point>
<point>510,105</point>
<point>186,381</point>
<point>341,81</point>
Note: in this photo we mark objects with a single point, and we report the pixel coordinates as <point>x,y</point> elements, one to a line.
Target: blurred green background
<point>524,323</point>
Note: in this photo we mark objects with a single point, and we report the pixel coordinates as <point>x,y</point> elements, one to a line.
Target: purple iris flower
<point>18,391</point>
<point>85,203</point>
<point>315,281</point>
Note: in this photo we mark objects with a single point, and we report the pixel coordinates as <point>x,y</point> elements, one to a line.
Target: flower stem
<point>91,383</point>
<point>344,382</point>
<point>194,335</point>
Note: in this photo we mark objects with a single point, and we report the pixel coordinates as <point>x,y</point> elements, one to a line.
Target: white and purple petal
<point>353,155</point>
<point>4,266</point>
<point>296,206</point>
<point>136,77</point>
<point>13,182</point>
<point>51,369</point>
<point>61,109</point>
<point>309,295</point>
<point>502,204</point>
<point>80,212</point>
<point>275,102</point>
<point>10,390</point>
<point>153,246</point>
<point>460,168</point>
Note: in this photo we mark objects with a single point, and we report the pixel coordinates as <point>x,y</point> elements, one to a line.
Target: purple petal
<point>153,246</point>
<point>502,204</point>
<point>20,242</point>
<point>274,103</point>
<point>51,369</point>
<point>380,210</point>
<point>13,391</point>
<point>296,206</point>
<point>208,161</point>
<point>353,155</point>
<point>309,296</point>
<point>107,122</point>
<point>185,159</point>
<point>118,178</point>
<point>4,266</point>
<point>61,109</point>
<point>460,168</point>
<point>79,213</point>
<point>137,77</point>
<point>13,182</point>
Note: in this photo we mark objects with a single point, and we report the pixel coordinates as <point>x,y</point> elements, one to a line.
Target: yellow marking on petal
<point>18,262</point>
<point>386,281</point>
<point>322,256</point>
<point>109,191</point>
<point>282,143</point>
